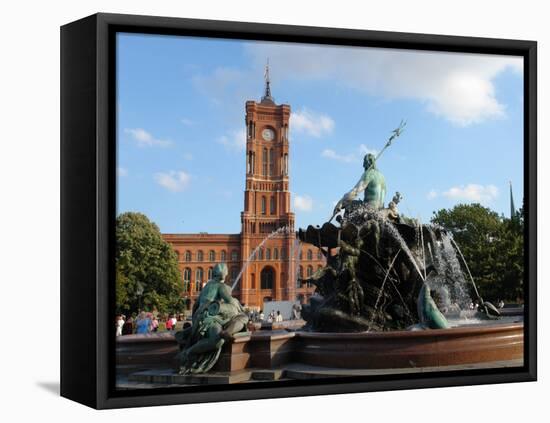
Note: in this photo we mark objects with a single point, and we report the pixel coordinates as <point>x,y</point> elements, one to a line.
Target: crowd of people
<point>145,322</point>
<point>259,316</point>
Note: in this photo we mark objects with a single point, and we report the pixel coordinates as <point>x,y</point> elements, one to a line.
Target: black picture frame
<point>88,198</point>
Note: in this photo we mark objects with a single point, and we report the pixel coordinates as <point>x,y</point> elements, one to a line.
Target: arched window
<point>272,205</point>
<point>271,161</point>
<point>276,253</point>
<point>211,255</point>
<point>223,256</point>
<point>199,276</point>
<point>283,253</point>
<point>263,205</point>
<point>188,256</point>
<point>268,254</point>
<point>186,279</point>
<point>267,278</point>
<point>234,255</point>
<point>210,273</point>
<point>264,162</point>
<point>199,255</point>
<point>260,254</point>
<point>234,273</point>
<point>319,254</point>
<point>301,255</point>
<point>300,277</point>
<point>309,274</point>
<point>309,255</point>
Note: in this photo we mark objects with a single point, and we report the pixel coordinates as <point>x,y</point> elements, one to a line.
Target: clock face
<point>268,134</point>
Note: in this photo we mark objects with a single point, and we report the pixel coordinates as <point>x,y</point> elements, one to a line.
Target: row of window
<point>268,163</point>
<point>259,255</point>
<point>272,205</point>
<point>211,255</point>
<point>309,255</point>
<point>267,277</point>
<point>200,280</point>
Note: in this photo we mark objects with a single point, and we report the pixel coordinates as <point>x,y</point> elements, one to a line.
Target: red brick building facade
<point>275,268</point>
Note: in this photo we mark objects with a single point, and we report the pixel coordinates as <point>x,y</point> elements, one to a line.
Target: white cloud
<point>235,140</point>
<point>122,171</point>
<point>432,194</point>
<point>174,181</point>
<point>311,123</point>
<point>303,202</point>
<point>458,87</point>
<point>348,158</point>
<point>345,158</point>
<point>145,139</point>
<point>473,192</point>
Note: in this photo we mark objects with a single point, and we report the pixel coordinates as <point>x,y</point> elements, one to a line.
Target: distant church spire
<point>267,94</point>
<point>512,206</point>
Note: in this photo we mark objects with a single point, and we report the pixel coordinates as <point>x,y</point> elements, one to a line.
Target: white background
<point>29,178</point>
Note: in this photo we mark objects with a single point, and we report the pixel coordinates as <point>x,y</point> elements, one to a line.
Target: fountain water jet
<point>279,231</point>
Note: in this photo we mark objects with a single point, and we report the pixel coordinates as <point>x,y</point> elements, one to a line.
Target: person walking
<point>174,322</point>
<point>128,327</point>
<point>143,323</point>
<point>154,324</point>
<point>119,324</point>
<point>169,322</point>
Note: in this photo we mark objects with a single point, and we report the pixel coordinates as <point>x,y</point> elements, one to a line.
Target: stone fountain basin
<point>376,350</point>
<point>405,349</point>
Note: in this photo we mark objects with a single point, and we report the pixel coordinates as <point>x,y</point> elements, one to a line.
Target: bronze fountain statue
<point>384,271</point>
<point>217,317</point>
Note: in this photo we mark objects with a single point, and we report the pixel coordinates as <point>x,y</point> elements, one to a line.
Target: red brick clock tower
<point>271,274</point>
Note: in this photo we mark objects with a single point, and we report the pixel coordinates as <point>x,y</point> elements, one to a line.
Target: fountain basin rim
<point>428,333</point>
<point>282,334</point>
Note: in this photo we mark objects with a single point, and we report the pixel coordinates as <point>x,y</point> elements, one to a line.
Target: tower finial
<point>512,206</point>
<point>267,94</point>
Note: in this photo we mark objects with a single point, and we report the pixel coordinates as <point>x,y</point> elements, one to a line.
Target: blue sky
<point>180,129</point>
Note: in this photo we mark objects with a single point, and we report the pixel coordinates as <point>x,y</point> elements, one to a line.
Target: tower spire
<point>512,206</point>
<point>267,93</point>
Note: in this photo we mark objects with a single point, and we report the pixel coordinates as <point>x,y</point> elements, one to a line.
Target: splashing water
<point>392,230</point>
<point>279,231</point>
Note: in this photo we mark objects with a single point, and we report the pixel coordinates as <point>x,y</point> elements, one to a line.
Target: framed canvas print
<point>253,211</point>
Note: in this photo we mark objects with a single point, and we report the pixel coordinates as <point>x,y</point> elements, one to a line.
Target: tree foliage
<point>492,246</point>
<point>147,274</point>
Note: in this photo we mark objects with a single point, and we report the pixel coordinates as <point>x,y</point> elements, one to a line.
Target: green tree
<point>147,274</point>
<point>511,264</point>
<point>492,246</point>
